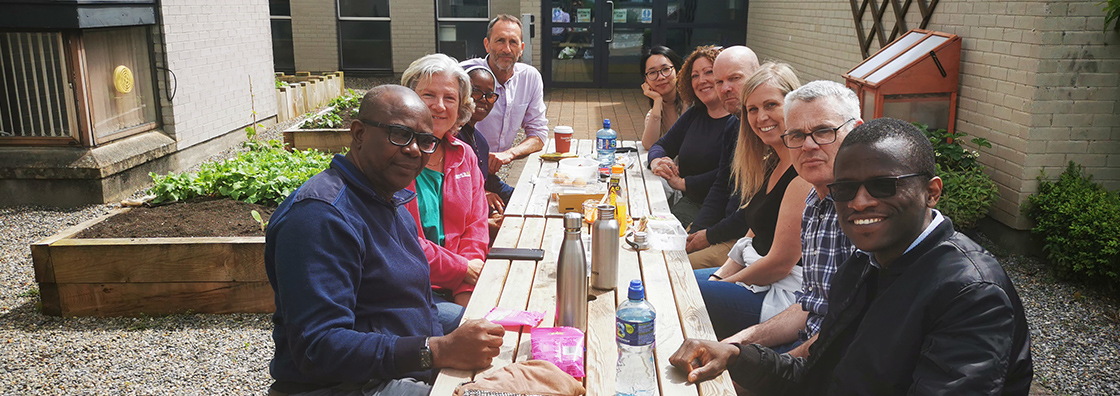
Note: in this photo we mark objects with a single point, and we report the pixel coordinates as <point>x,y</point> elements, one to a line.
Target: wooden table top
<point>532,221</point>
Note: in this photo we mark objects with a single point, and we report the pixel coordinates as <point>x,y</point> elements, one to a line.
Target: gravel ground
<point>1075,333</point>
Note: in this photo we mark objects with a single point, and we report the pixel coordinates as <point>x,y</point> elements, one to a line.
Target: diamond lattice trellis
<point>878,9</point>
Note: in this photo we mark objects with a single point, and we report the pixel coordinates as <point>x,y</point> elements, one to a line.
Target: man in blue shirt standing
<point>354,311</point>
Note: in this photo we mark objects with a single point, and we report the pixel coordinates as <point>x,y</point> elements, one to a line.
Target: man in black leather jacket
<point>920,309</point>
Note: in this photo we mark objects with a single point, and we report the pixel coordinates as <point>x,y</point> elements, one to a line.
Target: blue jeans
<point>731,307</point>
<point>448,312</point>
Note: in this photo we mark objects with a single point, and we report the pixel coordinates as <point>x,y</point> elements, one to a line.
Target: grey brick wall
<point>315,35</point>
<point>215,48</point>
<point>413,31</point>
<point>1039,79</point>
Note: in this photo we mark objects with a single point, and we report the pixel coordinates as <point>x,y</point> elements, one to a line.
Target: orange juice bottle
<point>619,198</point>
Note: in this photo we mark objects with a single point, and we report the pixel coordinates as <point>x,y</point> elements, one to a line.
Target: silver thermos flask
<point>604,250</point>
<point>571,276</point>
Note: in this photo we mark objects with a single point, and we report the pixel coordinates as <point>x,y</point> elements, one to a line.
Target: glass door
<point>599,43</point>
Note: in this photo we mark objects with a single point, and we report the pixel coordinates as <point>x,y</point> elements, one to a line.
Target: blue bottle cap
<point>637,292</point>
<point>607,123</point>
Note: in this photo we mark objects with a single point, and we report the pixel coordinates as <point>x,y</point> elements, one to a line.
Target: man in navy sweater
<point>354,311</point>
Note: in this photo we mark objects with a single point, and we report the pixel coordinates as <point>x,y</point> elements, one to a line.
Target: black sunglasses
<point>879,187</point>
<point>400,135</point>
<point>488,97</point>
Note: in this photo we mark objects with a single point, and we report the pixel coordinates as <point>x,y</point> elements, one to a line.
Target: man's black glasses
<point>488,97</point>
<point>400,135</point>
<point>664,72</point>
<point>821,136</point>
<point>879,187</point>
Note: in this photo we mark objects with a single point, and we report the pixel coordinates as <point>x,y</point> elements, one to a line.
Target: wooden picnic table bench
<point>533,221</point>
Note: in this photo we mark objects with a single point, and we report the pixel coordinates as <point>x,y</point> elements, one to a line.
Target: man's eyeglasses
<point>879,187</point>
<point>664,72</point>
<point>488,97</point>
<point>400,135</point>
<point>821,136</point>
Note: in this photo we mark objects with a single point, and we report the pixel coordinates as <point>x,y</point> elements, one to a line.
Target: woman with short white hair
<point>450,206</point>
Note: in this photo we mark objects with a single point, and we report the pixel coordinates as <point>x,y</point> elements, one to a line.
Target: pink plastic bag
<point>562,346</point>
<point>514,318</point>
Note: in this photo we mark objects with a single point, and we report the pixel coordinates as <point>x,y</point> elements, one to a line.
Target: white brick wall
<point>1039,79</point>
<point>215,48</point>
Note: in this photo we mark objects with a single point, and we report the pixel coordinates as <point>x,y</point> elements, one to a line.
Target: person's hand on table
<point>702,359</point>
<point>677,182</point>
<point>472,346</point>
<point>664,168</point>
<point>499,159</point>
<point>650,93</point>
<point>697,241</point>
<point>495,203</point>
<point>474,268</point>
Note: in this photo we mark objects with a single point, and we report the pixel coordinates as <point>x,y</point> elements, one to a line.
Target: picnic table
<point>533,221</point>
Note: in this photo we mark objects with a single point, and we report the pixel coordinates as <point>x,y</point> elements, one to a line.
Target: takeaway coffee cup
<point>563,136</point>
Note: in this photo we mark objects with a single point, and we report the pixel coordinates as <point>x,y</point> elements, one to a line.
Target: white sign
<point>620,16</point>
<point>647,15</point>
<point>583,15</point>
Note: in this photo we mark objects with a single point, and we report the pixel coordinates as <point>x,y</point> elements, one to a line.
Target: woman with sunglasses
<point>759,278</point>
<point>450,206</point>
<point>659,68</point>
<point>497,191</point>
<point>687,157</point>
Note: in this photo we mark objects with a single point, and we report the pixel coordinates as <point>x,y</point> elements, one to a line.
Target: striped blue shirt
<point>823,248</point>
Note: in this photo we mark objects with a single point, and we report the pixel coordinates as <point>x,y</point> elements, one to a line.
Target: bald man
<point>720,210</point>
<point>354,307</point>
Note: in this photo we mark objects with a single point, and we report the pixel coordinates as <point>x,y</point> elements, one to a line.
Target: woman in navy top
<point>687,157</point>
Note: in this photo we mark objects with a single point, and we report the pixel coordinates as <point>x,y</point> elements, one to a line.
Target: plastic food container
<point>666,234</point>
<point>577,171</point>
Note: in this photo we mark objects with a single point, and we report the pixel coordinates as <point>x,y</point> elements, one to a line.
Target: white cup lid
<point>563,129</point>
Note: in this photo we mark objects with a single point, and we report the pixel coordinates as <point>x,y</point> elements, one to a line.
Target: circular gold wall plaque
<point>122,79</point>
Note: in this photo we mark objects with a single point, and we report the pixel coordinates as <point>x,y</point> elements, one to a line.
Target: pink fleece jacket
<point>465,231</point>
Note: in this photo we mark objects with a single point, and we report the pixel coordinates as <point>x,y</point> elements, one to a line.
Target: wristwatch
<point>426,355</point>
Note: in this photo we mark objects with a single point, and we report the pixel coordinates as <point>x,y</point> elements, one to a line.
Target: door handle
<point>610,23</point>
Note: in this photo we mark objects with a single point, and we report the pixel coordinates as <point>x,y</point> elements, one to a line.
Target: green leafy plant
<point>342,108</point>
<point>1078,221</point>
<point>1111,14</point>
<point>968,192</point>
<point>280,84</point>
<point>265,174</point>
<point>257,216</point>
<point>966,196</point>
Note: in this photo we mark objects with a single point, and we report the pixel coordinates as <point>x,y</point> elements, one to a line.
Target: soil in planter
<point>195,218</point>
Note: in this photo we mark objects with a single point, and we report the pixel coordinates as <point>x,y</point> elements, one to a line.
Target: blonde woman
<point>759,275</point>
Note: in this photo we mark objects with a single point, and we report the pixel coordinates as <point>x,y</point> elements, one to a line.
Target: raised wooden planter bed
<point>150,276</point>
<point>328,140</point>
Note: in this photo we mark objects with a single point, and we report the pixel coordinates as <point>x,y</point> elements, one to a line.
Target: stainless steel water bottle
<point>604,250</point>
<point>571,276</point>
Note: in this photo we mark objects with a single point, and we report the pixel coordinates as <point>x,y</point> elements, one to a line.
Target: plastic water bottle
<point>606,141</point>
<point>634,324</point>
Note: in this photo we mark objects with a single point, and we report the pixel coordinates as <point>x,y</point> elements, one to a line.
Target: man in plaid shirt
<point>818,117</point>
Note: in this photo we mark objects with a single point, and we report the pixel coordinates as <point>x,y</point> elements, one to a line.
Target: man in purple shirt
<point>520,95</point>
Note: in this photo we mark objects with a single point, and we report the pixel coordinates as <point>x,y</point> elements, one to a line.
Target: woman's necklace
<point>438,164</point>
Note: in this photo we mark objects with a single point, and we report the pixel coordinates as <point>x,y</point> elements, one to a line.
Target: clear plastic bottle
<point>606,141</point>
<point>634,322</point>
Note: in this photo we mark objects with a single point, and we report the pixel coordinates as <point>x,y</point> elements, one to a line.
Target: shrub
<point>968,191</point>
<point>967,195</point>
<point>266,174</point>
<point>1079,223</point>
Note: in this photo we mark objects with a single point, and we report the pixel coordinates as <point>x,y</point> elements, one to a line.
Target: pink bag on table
<point>562,346</point>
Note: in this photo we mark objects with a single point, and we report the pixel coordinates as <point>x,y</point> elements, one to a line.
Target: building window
<point>283,55</point>
<point>118,108</point>
<point>37,101</point>
<point>89,87</point>
<point>364,35</point>
<point>462,26</point>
